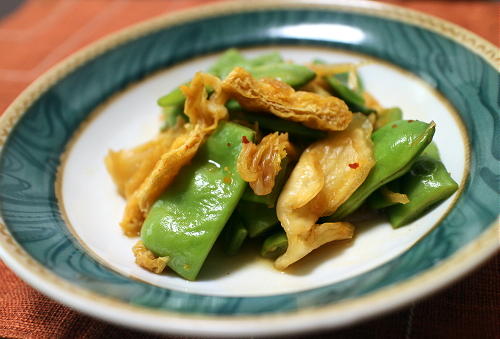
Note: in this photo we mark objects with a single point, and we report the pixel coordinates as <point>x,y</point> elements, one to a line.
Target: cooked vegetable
<point>260,164</point>
<point>147,259</point>
<point>233,58</point>
<point>272,123</point>
<point>387,116</point>
<point>291,74</point>
<point>256,217</point>
<point>270,199</point>
<point>185,221</point>
<point>273,96</point>
<point>265,66</point>
<point>427,183</point>
<point>178,154</point>
<point>327,173</point>
<point>172,105</point>
<point>432,151</point>
<point>274,245</point>
<point>204,114</point>
<point>313,163</point>
<point>234,234</point>
<point>387,195</point>
<point>352,95</point>
<point>396,146</point>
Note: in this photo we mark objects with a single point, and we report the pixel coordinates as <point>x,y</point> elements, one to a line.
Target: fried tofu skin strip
<point>260,164</point>
<point>130,167</point>
<point>204,113</point>
<point>274,96</point>
<point>148,260</point>
<point>327,173</point>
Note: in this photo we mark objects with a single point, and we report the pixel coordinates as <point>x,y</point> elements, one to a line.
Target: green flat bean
<point>432,151</point>
<point>265,66</point>
<point>291,74</point>
<point>378,200</point>
<point>352,97</point>
<point>233,58</point>
<point>170,116</point>
<point>274,245</point>
<point>267,59</point>
<point>226,62</point>
<point>172,105</point>
<point>395,147</point>
<point>388,115</point>
<point>173,98</point>
<point>185,221</point>
<point>426,184</point>
<point>256,217</point>
<point>269,122</point>
<point>234,234</point>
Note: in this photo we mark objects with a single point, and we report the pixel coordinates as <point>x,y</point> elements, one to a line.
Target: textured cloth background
<point>40,33</point>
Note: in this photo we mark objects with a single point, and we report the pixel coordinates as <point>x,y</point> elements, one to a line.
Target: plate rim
<point>329,316</point>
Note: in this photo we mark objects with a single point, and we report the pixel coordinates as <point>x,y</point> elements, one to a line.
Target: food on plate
<point>276,97</point>
<point>270,151</point>
<point>259,165</point>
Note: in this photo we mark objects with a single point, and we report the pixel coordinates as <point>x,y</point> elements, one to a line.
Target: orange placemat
<point>42,32</point>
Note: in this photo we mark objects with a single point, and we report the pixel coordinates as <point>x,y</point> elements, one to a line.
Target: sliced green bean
<point>256,217</point>
<point>352,97</point>
<point>318,61</point>
<point>274,245</point>
<point>269,122</point>
<point>234,234</point>
<point>267,59</point>
<point>233,58</point>
<point>170,116</point>
<point>388,115</point>
<point>426,184</point>
<point>172,105</point>
<point>185,221</point>
<point>291,74</point>
<point>226,62</point>
<point>173,98</point>
<point>395,148</point>
<point>432,151</point>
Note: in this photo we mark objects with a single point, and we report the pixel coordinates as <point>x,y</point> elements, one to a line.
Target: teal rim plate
<point>53,135</point>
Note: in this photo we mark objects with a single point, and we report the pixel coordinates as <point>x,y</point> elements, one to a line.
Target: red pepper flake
<point>354,165</point>
<point>244,140</point>
<point>410,121</point>
<point>394,126</point>
<point>228,180</point>
<point>228,144</point>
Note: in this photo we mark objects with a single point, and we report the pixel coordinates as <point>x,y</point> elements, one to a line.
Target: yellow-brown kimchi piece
<point>260,164</point>
<point>327,173</point>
